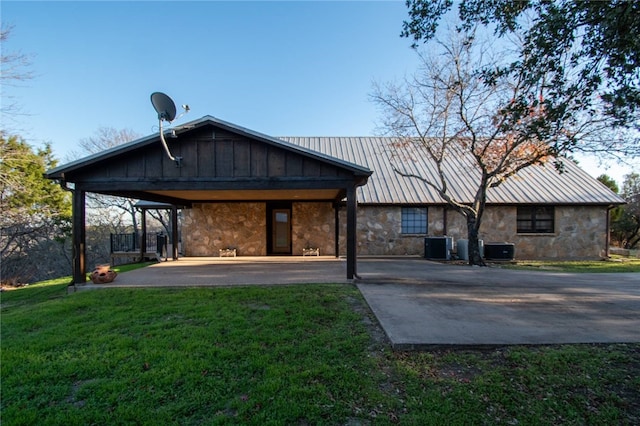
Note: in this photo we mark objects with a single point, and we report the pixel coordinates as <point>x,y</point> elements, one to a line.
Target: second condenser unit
<point>462,248</point>
<point>499,251</point>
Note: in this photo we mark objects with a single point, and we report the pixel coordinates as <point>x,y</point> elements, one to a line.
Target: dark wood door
<point>281,231</point>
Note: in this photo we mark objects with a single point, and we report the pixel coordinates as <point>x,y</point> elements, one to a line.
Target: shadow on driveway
<point>423,304</point>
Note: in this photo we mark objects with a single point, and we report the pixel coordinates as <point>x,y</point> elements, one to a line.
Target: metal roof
<point>534,184</point>
<point>361,155</point>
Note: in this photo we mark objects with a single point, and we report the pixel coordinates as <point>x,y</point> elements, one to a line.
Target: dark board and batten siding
<point>203,157</point>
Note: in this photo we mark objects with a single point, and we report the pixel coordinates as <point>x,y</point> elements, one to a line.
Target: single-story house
<point>262,195</point>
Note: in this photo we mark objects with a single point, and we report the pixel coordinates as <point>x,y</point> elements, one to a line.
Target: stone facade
<point>580,231</point>
<point>312,225</point>
<point>379,233</point>
<point>209,227</point>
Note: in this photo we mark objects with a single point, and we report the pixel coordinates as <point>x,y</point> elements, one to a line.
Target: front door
<point>281,231</point>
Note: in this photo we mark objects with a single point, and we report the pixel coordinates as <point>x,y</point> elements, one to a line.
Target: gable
<point>208,153</point>
<point>220,162</point>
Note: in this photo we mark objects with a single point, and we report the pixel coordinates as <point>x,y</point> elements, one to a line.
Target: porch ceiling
<point>253,195</point>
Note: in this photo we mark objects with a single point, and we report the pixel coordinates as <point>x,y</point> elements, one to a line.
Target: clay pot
<point>103,274</point>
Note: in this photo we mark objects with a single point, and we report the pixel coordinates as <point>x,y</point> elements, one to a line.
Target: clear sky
<point>296,68</point>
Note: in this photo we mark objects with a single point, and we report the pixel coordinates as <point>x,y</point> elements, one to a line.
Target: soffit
<point>253,195</point>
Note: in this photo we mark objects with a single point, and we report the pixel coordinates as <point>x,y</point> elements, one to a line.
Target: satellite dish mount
<point>166,110</point>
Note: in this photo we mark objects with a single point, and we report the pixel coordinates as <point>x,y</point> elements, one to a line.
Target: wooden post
<point>174,232</point>
<point>143,237</point>
<point>351,232</point>
<point>78,237</point>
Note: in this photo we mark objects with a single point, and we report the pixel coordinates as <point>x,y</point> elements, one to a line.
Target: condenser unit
<point>438,248</point>
<point>499,251</point>
<point>462,248</point>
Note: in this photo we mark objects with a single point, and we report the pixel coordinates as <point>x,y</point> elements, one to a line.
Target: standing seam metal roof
<point>532,185</point>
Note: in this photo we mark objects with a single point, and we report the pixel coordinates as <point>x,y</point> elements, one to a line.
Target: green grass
<point>281,355</point>
<point>52,289</point>
<point>548,385</point>
<point>615,264</point>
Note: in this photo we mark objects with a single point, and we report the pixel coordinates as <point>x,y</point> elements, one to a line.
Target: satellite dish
<point>164,106</point>
<point>166,110</point>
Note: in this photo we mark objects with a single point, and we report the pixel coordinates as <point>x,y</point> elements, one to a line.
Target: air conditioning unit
<point>462,248</point>
<point>499,251</point>
<point>438,248</point>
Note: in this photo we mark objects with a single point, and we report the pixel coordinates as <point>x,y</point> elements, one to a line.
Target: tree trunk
<point>474,245</point>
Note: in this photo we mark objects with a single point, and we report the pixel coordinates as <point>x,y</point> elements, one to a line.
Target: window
<point>536,219</point>
<point>414,220</point>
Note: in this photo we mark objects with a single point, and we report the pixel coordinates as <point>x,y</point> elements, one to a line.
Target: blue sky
<point>296,68</point>
<point>280,68</point>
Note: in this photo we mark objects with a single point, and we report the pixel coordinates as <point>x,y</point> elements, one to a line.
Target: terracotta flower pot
<point>103,274</point>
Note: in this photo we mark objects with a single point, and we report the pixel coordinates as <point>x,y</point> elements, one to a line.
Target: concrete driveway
<point>422,304</point>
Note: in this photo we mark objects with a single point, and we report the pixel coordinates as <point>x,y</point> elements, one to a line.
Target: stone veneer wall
<point>378,233</point>
<point>580,232</point>
<point>209,227</point>
<point>313,226</point>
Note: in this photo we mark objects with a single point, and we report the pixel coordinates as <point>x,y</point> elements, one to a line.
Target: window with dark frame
<point>414,220</point>
<point>536,219</point>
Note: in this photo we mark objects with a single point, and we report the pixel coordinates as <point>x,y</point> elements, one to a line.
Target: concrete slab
<point>423,304</point>
<point>226,271</point>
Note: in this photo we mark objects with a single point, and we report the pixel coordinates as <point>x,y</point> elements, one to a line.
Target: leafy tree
<point>35,214</point>
<point>586,52</point>
<point>615,213</point>
<point>626,228</point>
<point>609,182</point>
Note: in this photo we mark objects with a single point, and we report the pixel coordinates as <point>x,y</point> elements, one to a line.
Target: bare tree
<point>15,67</point>
<point>449,110</point>
<point>106,138</point>
<point>118,214</point>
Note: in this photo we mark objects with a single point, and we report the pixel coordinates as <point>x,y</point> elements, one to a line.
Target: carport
<point>221,162</point>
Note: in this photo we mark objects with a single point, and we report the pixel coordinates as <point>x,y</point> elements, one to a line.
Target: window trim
<point>533,223</point>
<point>411,221</point>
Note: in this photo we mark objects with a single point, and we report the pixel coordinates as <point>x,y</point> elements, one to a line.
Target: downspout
<point>444,220</point>
<point>336,226</point>
<point>608,234</point>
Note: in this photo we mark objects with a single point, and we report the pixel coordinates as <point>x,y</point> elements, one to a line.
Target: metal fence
<point>156,242</point>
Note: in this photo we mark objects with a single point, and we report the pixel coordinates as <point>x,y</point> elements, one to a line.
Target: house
<point>260,195</point>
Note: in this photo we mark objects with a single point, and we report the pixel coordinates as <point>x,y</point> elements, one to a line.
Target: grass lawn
<point>615,264</point>
<point>281,355</point>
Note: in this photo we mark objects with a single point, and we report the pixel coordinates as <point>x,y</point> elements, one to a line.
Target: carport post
<point>78,236</point>
<point>143,235</point>
<point>351,232</point>
<point>174,232</point>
